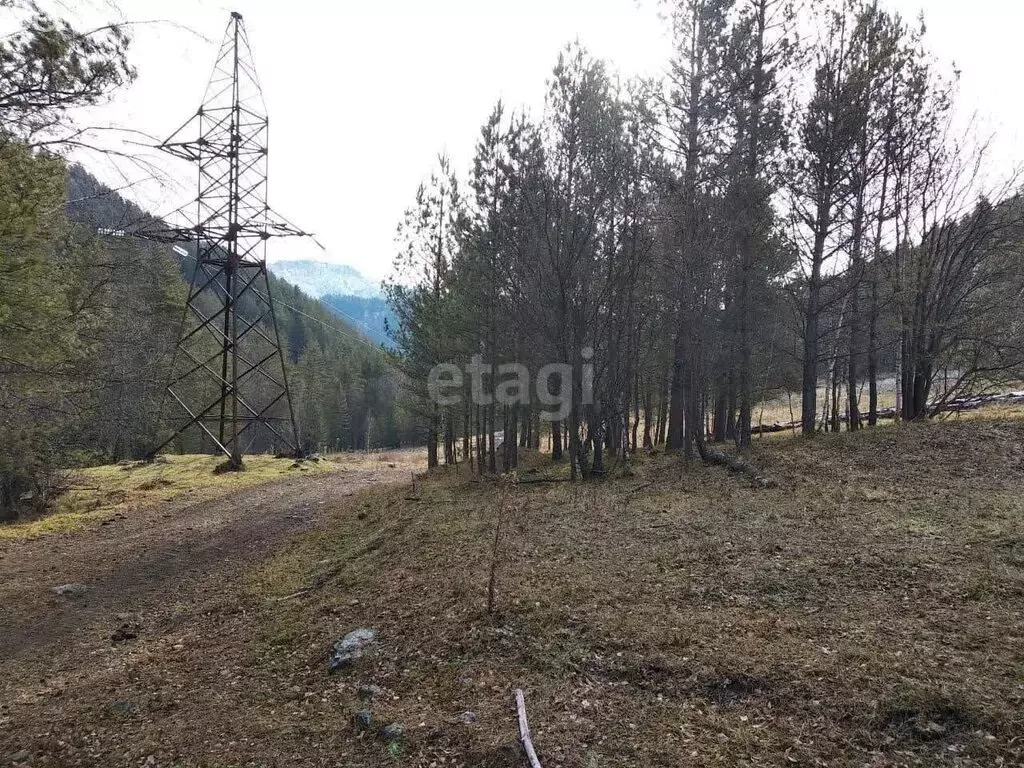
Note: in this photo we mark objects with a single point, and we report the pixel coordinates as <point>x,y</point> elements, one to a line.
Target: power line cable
<point>298,311</point>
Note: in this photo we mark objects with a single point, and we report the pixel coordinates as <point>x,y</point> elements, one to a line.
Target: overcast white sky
<point>363,95</point>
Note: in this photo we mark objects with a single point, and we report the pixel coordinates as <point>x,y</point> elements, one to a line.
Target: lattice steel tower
<point>237,383</point>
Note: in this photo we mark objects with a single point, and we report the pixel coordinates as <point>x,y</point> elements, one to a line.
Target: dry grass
<point>784,408</point>
<point>777,409</point>
<point>988,413</point>
<point>412,459</point>
<point>868,611</point>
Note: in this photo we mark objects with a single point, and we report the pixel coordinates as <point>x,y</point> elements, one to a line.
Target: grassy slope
<point>99,492</point>
<point>868,611</point>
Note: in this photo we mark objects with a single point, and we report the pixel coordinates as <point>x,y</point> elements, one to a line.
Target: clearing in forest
<point>866,611</point>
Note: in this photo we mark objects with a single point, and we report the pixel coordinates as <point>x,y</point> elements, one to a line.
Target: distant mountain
<point>343,290</point>
<point>368,315</point>
<point>320,278</point>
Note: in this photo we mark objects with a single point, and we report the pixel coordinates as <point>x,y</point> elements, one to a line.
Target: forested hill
<point>344,290</point>
<point>372,314</point>
<point>88,326</point>
<point>343,386</point>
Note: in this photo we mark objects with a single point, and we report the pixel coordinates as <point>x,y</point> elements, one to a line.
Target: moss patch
<point>98,492</point>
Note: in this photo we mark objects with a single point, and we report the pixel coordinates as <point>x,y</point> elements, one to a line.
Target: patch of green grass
<point>98,492</point>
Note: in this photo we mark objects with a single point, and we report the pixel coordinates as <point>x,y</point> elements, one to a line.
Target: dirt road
<point>151,559</point>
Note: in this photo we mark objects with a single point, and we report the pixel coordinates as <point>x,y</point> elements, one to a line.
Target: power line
<point>341,311</point>
<point>335,328</point>
<point>185,254</point>
<point>298,311</point>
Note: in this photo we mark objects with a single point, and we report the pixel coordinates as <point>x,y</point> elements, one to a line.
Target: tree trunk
<point>432,435</point>
<point>873,355</point>
<point>662,418</point>
<point>719,428</point>
<point>481,443</point>
<point>730,409</point>
<point>467,453</point>
<point>449,440</point>
<point>636,420</point>
<point>852,354</point>
<point>648,418</point>
<point>492,465</point>
<point>691,415</point>
<point>596,436</point>
<point>812,312</point>
<point>674,439</point>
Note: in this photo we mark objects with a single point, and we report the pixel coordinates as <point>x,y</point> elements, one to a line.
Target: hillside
<point>320,278</point>
<point>352,297</point>
<point>867,610</point>
<point>341,386</point>
<point>89,325</point>
<point>371,315</point>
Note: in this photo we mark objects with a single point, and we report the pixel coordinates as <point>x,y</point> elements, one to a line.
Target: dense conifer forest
<point>795,208</point>
<point>798,207</point>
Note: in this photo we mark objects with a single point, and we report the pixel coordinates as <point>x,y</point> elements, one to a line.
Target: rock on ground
<point>366,692</point>
<point>350,647</point>
<point>72,589</point>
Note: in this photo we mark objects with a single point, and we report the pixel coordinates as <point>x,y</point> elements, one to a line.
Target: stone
<point>363,719</point>
<point>71,589</point>
<point>347,650</point>
<point>123,708</point>
<point>392,732</point>
<point>366,692</point>
<point>19,757</point>
<point>467,718</point>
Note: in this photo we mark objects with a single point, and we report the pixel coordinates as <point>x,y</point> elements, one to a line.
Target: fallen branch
<point>524,730</point>
<point>736,464</point>
<point>955,405</point>
<point>733,464</point>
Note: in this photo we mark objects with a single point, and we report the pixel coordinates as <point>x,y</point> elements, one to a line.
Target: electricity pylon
<point>239,381</point>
